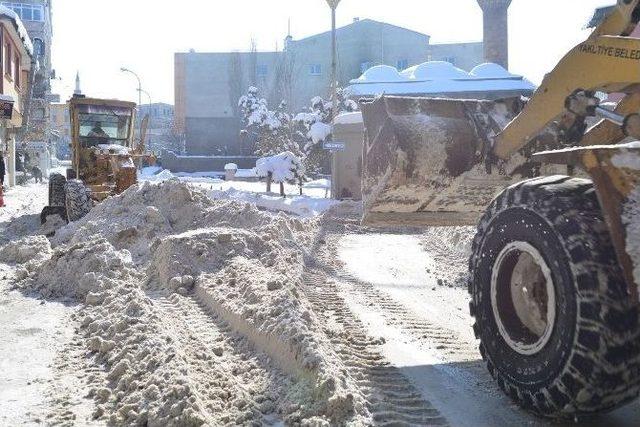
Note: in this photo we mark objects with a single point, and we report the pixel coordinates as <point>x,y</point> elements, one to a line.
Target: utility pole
<point>333,4</point>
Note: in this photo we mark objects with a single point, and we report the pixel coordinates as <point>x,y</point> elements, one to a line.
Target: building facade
<point>208,85</point>
<point>161,134</point>
<point>36,16</point>
<point>462,55</point>
<point>60,125</point>
<point>157,111</point>
<point>16,59</point>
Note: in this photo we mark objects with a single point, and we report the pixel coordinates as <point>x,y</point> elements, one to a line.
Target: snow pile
<point>303,206</point>
<point>169,245</point>
<point>231,167</point>
<point>150,171</point>
<point>450,246</point>
<point>28,251</point>
<point>163,175</point>
<point>147,381</point>
<point>282,167</point>
<point>81,269</point>
<point>112,149</point>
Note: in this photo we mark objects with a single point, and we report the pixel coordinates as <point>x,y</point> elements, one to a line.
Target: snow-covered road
<point>388,307</point>
<point>394,285</point>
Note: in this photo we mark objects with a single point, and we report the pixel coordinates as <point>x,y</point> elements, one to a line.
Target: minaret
<point>496,31</point>
<point>78,91</point>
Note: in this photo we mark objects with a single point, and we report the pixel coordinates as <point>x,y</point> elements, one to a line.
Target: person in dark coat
<point>2,169</point>
<point>37,174</point>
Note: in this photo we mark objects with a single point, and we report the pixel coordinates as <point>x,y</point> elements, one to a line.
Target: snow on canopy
<point>5,12</point>
<point>490,70</point>
<point>381,73</point>
<point>435,70</point>
<point>283,167</point>
<point>438,78</point>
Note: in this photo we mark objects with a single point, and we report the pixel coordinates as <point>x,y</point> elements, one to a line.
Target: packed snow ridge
<point>145,264</point>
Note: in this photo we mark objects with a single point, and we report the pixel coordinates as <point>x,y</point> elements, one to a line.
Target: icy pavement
<point>398,265</point>
<point>21,214</point>
<point>33,333</point>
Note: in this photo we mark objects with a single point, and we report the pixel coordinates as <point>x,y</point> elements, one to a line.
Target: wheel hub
<point>523,298</point>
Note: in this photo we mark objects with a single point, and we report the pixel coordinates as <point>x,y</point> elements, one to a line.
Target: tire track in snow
<point>392,400</point>
<point>447,342</point>
<point>210,346</point>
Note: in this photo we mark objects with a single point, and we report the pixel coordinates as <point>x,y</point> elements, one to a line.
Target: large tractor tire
<point>56,189</point>
<point>557,328</point>
<point>77,200</point>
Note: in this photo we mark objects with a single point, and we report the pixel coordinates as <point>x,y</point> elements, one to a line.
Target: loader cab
<point>101,121</point>
<point>107,127</point>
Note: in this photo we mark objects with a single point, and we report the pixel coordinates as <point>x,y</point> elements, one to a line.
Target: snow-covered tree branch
<point>316,126</point>
<point>270,129</point>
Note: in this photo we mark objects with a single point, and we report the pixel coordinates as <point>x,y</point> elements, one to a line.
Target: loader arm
<point>607,61</point>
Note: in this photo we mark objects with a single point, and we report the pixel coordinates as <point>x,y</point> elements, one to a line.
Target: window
<point>16,67</point>
<point>315,69</point>
<point>402,64</point>
<point>262,70</point>
<point>26,12</point>
<point>8,55</point>
<point>38,47</point>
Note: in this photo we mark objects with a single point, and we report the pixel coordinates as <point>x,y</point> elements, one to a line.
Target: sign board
<point>334,146</point>
<point>6,109</point>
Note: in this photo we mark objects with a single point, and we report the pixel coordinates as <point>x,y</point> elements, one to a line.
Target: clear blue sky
<point>98,38</point>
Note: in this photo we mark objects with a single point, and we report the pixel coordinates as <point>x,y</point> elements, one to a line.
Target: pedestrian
<point>37,174</point>
<point>2,172</point>
<point>2,169</point>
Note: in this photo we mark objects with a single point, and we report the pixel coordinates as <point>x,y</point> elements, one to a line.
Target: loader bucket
<point>425,159</point>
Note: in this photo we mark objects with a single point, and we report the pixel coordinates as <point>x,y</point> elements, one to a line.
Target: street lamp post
<point>126,70</point>
<point>333,4</point>
<point>149,113</point>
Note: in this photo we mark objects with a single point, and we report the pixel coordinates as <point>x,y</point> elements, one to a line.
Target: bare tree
<point>285,80</point>
<point>253,63</point>
<point>236,82</point>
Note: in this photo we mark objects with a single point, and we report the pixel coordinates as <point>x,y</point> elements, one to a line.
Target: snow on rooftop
<point>5,12</point>
<point>438,70</point>
<point>381,73</point>
<point>438,78</point>
<point>490,70</point>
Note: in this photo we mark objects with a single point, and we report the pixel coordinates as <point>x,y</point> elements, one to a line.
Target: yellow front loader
<point>557,206</point>
<point>103,155</point>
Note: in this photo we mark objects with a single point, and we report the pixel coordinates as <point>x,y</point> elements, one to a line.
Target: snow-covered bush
<point>315,126</point>
<point>281,168</point>
<point>270,129</point>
